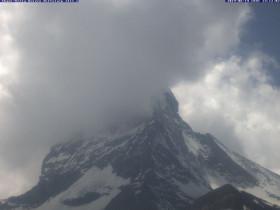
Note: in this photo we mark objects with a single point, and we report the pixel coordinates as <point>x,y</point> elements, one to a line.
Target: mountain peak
<point>166,101</point>
<point>160,163</point>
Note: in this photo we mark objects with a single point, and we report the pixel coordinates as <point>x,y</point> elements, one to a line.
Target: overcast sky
<point>69,68</point>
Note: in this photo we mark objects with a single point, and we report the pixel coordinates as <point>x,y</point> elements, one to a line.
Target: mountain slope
<point>160,163</point>
<point>227,197</point>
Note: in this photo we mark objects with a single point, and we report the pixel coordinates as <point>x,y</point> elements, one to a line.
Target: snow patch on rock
<point>103,182</point>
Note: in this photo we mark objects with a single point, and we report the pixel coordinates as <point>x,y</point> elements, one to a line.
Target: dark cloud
<point>82,67</point>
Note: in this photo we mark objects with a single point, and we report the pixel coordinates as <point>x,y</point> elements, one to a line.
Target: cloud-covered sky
<point>68,68</point>
<point>236,102</point>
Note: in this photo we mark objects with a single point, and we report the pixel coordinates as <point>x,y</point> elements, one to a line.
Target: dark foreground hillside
<point>227,197</point>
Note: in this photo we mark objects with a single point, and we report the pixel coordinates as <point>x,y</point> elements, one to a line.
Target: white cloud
<point>9,55</point>
<point>237,102</point>
<point>14,180</point>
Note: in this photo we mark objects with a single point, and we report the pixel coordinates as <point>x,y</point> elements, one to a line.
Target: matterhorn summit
<point>157,164</point>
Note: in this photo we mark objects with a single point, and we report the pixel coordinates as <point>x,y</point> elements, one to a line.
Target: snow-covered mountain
<point>160,163</point>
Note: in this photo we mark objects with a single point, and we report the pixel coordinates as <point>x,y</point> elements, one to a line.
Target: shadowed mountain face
<point>158,164</point>
<point>227,197</point>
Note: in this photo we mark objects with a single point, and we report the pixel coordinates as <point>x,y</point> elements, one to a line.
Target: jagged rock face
<point>227,197</point>
<point>159,164</point>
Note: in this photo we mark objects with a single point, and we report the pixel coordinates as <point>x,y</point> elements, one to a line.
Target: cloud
<point>237,102</point>
<point>81,67</point>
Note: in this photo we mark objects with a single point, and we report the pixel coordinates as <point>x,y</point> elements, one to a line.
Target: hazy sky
<point>68,68</point>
